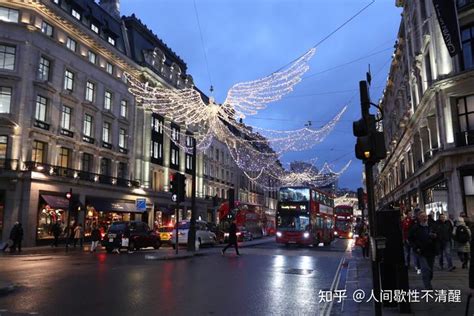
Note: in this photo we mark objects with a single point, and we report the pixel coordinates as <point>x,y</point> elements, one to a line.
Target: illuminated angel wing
<point>246,98</point>
<point>180,105</point>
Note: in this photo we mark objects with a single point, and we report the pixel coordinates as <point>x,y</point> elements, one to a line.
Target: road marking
<point>327,307</point>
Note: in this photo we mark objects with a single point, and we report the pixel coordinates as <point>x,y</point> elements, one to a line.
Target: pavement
<point>359,277</point>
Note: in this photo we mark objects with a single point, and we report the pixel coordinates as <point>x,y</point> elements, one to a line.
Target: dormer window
<point>76,14</point>
<point>94,28</point>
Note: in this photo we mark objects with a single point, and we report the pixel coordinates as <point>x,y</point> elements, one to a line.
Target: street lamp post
<point>192,226</point>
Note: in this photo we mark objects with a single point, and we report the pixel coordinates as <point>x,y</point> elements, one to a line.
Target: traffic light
<point>173,184</point>
<point>360,199</point>
<point>69,194</point>
<point>180,183</point>
<point>370,145</point>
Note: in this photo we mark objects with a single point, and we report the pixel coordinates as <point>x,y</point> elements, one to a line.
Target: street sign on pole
<point>140,204</point>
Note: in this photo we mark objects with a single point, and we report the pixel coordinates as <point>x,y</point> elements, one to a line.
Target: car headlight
<point>350,234</point>
<point>335,233</point>
<point>279,234</point>
<point>306,235</point>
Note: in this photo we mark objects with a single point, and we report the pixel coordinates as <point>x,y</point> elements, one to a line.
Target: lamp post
<point>192,226</point>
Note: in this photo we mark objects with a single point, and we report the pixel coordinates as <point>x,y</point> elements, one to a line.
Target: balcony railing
<point>42,125</point>
<point>88,139</point>
<point>79,174</point>
<point>67,133</point>
<point>9,164</point>
<point>465,138</point>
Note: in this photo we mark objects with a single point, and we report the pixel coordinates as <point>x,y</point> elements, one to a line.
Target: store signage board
<point>140,205</point>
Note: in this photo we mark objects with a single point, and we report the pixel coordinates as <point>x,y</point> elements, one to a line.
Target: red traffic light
<point>69,195</point>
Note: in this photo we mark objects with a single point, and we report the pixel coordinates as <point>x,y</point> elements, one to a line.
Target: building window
<point>123,138</point>
<point>189,141</point>
<point>41,107</point>
<point>68,80</point>
<point>109,68</point>
<point>90,91</point>
<point>66,117</point>
<point>76,14</point>
<point>87,162</point>
<point>44,69</point>
<point>174,156</point>
<point>105,166</point>
<point>111,41</point>
<point>124,108</point>
<point>87,125</point>
<point>157,124</point>
<point>39,152</point>
<point>3,147</point>
<point>157,150</point>
<point>106,132</point>
<point>8,15</point>
<point>189,162</point>
<point>7,57</point>
<point>71,44</point>
<point>94,28</point>
<point>175,134</point>
<point>92,57</point>
<point>64,157</point>
<point>5,99</point>
<point>466,113</point>
<point>46,29</point>
<point>467,38</point>
<point>122,170</point>
<point>108,100</point>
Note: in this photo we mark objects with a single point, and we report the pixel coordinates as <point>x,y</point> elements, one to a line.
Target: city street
<point>266,279</point>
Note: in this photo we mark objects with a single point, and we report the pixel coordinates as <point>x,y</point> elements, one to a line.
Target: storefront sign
<point>106,205</point>
<point>448,23</point>
<point>140,205</point>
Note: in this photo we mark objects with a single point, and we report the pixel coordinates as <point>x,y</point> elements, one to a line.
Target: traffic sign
<point>140,205</point>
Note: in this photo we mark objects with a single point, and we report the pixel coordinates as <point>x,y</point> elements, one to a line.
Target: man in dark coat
<point>444,232</point>
<point>16,235</point>
<point>423,240</point>
<point>232,239</point>
<point>56,230</point>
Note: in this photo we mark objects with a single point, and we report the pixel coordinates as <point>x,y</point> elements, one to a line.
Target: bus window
<point>294,194</point>
<point>293,223</point>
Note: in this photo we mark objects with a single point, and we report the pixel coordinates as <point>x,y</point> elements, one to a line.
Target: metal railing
<point>10,164</point>
<point>465,138</point>
<point>79,174</point>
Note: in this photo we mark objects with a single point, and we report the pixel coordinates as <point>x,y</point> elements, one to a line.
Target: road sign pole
<point>177,221</point>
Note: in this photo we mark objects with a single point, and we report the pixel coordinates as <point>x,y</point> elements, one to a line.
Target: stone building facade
<point>428,107</point>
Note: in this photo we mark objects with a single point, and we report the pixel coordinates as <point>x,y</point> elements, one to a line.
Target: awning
<point>55,201</point>
<point>109,205</point>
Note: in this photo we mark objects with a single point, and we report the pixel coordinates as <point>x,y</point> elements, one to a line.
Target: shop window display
<point>46,219</point>
<point>104,219</point>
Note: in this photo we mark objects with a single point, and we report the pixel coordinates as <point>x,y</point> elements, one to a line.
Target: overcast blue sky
<point>248,39</point>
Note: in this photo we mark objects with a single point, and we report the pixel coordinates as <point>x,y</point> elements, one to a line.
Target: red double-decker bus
<point>343,218</point>
<point>249,219</point>
<point>304,216</point>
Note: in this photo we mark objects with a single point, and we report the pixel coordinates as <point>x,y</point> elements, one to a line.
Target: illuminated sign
<point>293,207</point>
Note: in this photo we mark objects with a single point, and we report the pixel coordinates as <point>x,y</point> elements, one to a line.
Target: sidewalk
<point>359,276</point>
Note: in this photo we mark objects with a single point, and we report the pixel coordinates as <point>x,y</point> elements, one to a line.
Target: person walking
<point>16,236</point>
<point>78,235</point>
<point>407,222</point>
<point>232,239</point>
<point>462,237</point>
<point>56,231</point>
<point>362,239</point>
<point>444,231</point>
<point>423,240</point>
<point>95,237</point>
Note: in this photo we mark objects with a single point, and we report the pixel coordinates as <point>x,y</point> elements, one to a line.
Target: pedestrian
<point>78,235</point>
<point>462,237</point>
<point>232,239</point>
<point>16,236</point>
<point>95,237</point>
<point>362,239</point>
<point>407,222</point>
<point>444,231</point>
<point>423,240</point>
<point>56,231</point>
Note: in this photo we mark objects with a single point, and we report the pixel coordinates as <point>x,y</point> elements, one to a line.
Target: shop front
<point>164,216</point>
<point>467,177</point>
<point>435,198</point>
<point>54,207</point>
<point>103,212</point>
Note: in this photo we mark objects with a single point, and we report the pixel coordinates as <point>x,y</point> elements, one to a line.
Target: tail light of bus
<point>279,234</point>
<point>306,235</point>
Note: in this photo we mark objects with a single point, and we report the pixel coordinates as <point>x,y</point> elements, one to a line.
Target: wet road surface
<point>268,279</point>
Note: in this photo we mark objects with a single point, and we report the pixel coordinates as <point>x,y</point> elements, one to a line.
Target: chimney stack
<point>111,6</point>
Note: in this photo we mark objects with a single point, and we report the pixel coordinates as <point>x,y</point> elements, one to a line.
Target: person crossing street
<point>232,239</point>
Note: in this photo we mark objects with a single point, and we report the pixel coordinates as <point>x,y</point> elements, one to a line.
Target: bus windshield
<point>292,222</point>
<point>294,195</point>
<point>344,226</point>
<point>343,210</point>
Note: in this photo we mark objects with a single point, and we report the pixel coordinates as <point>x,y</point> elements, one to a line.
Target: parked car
<point>140,236</point>
<point>166,233</point>
<point>203,235</point>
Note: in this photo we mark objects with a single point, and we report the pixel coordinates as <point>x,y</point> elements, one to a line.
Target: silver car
<point>203,235</point>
